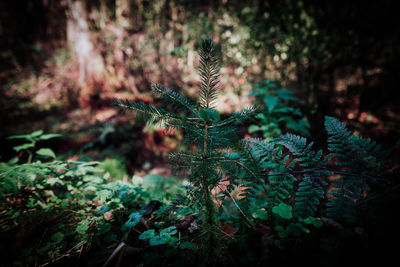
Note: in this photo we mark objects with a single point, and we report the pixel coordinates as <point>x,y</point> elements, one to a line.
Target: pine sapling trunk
<point>208,212</point>
<point>210,223</point>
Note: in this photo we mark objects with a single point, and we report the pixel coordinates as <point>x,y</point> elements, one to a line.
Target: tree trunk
<point>104,19</point>
<point>90,62</point>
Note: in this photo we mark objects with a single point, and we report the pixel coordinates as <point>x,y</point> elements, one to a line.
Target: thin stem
<point>234,202</point>
<point>209,209</point>
<point>29,157</point>
<point>205,141</point>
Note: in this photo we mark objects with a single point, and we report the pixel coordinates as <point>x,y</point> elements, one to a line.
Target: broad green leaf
<point>164,238</point>
<point>49,136</point>
<point>37,133</point>
<point>20,136</point>
<point>147,234</point>
<point>187,245</point>
<point>83,226</point>
<point>254,128</point>
<point>261,116</point>
<point>283,210</point>
<point>314,221</point>
<point>46,153</point>
<point>134,219</point>
<point>260,214</point>
<point>170,230</point>
<point>23,147</point>
<point>318,223</point>
<point>103,195</point>
<point>271,102</point>
<point>157,240</point>
<point>309,220</point>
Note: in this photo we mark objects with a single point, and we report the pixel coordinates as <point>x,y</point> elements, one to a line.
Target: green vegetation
<point>91,212</point>
<point>276,112</point>
<point>130,140</point>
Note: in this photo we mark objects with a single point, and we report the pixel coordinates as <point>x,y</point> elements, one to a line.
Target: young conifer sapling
<point>212,137</point>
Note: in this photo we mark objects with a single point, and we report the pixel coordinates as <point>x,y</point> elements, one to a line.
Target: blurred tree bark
<point>80,41</point>
<point>104,18</point>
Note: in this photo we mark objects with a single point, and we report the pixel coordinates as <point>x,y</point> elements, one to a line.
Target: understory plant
<point>54,209</point>
<point>212,138</point>
<point>42,202</point>
<point>278,111</point>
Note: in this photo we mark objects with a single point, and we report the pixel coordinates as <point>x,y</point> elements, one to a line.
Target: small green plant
<point>277,112</point>
<point>212,137</point>
<point>30,145</point>
<point>165,236</point>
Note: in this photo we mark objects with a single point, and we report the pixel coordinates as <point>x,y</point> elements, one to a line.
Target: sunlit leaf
<point>23,147</point>
<point>37,133</point>
<point>46,153</point>
<point>49,136</point>
<point>271,102</point>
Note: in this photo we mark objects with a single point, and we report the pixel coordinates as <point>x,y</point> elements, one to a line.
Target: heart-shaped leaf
<point>283,210</point>
<point>147,234</point>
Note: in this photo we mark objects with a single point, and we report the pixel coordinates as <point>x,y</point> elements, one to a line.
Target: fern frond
<point>310,190</point>
<point>308,196</point>
<point>303,154</point>
<point>357,155</point>
<point>272,161</point>
<point>339,141</point>
<point>340,206</point>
